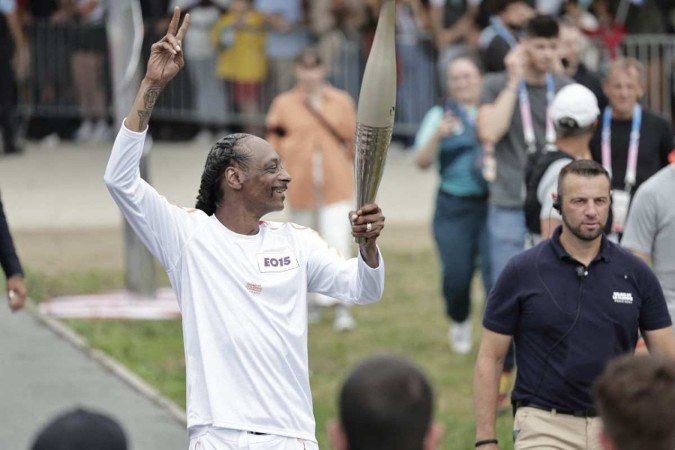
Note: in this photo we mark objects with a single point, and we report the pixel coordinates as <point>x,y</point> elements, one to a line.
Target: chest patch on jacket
<point>276,262</point>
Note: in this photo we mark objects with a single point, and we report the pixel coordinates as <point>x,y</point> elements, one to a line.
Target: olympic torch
<point>375,111</point>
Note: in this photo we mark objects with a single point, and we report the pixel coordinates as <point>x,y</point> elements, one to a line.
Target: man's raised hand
<point>166,56</point>
<point>166,60</point>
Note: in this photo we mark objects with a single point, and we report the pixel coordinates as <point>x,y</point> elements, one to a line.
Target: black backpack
<point>537,165</point>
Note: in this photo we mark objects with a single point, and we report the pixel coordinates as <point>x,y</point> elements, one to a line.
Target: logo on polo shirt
<point>277,262</point>
<point>623,297</point>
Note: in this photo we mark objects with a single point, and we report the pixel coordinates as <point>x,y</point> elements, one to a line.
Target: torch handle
<point>376,108</point>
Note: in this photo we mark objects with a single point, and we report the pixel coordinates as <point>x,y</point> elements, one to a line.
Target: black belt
<point>590,412</point>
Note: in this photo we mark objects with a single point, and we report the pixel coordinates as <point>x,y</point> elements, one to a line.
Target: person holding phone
<point>447,138</point>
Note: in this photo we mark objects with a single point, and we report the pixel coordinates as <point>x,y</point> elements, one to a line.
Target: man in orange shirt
<point>312,127</point>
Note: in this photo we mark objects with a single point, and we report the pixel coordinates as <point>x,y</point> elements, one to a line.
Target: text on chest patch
<point>277,262</point>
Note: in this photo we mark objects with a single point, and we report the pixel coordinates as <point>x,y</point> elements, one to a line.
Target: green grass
<point>41,287</point>
<point>409,321</point>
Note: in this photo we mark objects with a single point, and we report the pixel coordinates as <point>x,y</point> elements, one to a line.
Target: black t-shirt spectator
<point>43,9</point>
<point>154,9</point>
<point>656,142</point>
<point>453,11</point>
<point>492,56</point>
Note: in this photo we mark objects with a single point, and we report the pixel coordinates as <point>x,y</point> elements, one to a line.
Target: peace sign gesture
<point>166,55</point>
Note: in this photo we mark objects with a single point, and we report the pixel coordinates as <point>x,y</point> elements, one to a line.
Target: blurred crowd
<point>240,55</point>
<point>554,180</point>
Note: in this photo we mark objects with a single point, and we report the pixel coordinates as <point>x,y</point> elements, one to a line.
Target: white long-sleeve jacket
<point>243,300</point>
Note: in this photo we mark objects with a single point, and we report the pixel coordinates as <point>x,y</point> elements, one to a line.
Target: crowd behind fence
<point>66,57</point>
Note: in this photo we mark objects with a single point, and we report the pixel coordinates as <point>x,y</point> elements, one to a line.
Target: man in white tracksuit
<point>241,282</point>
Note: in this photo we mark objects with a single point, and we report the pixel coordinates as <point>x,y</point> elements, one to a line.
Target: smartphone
<point>454,109</point>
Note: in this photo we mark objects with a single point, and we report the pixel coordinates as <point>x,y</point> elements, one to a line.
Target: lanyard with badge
<point>489,163</point>
<point>526,115</point>
<point>621,198</point>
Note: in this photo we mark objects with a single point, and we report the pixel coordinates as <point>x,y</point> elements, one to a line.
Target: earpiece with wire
<point>557,203</point>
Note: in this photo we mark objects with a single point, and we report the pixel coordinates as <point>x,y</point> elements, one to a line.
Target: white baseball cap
<point>574,106</point>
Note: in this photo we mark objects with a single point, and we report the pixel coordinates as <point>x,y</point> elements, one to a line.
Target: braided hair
<point>222,155</point>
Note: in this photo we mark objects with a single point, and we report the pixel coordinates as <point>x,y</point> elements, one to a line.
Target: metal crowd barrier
<point>48,92</point>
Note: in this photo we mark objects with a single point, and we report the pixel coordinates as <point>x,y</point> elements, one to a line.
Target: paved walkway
<point>42,374</point>
<point>60,190</point>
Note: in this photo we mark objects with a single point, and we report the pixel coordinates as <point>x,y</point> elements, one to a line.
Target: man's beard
<point>587,236</point>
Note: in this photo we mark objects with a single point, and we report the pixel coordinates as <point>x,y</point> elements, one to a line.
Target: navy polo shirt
<point>568,320</point>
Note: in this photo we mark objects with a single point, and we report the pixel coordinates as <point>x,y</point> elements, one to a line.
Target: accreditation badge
<point>620,203</point>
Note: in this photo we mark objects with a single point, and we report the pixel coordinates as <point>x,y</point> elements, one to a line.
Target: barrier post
<point>125,35</point>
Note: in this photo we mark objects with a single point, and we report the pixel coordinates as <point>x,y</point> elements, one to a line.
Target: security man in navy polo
<point>571,304</point>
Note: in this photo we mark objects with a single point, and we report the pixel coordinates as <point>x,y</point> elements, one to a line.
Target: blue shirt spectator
<point>448,137</point>
<point>458,153</point>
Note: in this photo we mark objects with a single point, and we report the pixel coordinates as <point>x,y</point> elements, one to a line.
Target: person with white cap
<point>574,113</point>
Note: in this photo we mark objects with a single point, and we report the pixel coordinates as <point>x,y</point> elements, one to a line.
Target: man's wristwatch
<point>486,442</point>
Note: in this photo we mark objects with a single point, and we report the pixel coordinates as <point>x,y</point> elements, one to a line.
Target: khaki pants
<point>537,429</point>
